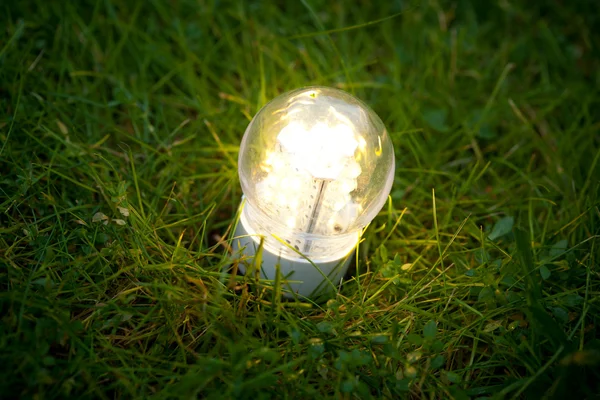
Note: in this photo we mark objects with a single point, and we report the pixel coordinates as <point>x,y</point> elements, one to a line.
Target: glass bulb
<point>316,165</point>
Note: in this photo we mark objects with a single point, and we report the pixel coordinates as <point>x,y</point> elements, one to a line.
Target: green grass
<point>479,278</point>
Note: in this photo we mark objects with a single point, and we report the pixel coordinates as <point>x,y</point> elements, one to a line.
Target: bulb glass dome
<point>316,166</point>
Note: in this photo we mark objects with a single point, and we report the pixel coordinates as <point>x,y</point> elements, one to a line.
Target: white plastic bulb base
<point>298,276</point>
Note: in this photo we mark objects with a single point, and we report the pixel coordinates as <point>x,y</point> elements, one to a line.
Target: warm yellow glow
<point>379,149</point>
<point>320,150</point>
<point>281,199</point>
<point>278,163</point>
<point>338,205</point>
<point>315,164</point>
<point>305,154</point>
<point>269,158</point>
<point>291,222</point>
<point>348,185</point>
<point>362,143</point>
<point>354,171</point>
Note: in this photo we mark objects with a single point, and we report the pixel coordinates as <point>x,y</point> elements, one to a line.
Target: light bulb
<point>316,166</point>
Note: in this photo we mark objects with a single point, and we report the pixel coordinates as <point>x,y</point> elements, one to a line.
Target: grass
<point>119,128</point>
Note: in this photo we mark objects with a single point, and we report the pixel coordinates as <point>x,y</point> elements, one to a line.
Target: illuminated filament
<point>309,177</point>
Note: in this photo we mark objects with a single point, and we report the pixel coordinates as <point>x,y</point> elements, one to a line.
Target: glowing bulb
<point>316,165</point>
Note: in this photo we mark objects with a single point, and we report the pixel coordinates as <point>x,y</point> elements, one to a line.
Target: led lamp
<point>316,166</point>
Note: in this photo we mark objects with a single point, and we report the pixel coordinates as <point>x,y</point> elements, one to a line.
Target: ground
<point>120,124</point>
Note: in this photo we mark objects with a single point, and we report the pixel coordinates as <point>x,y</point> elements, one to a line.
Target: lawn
<point>120,124</point>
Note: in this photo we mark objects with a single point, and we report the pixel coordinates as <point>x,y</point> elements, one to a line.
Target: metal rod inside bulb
<point>312,222</point>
